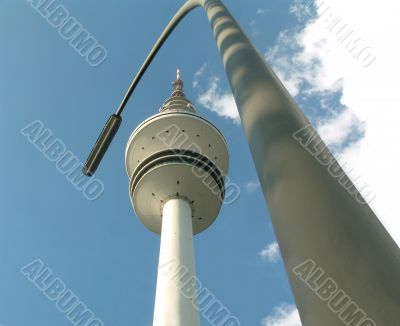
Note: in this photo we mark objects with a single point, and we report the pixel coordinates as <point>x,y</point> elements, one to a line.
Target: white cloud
<point>218,101</point>
<point>283,315</point>
<point>271,252</point>
<point>296,59</point>
<point>254,29</point>
<point>198,74</point>
<point>252,186</point>
<point>213,98</point>
<point>311,62</point>
<point>334,131</point>
<point>299,10</point>
<point>260,11</point>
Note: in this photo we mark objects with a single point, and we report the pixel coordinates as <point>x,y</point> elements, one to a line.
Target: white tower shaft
<point>172,307</point>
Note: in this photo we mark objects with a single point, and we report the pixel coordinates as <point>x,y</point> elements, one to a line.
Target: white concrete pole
<point>172,308</point>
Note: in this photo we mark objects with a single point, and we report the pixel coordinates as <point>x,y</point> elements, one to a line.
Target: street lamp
<point>318,223</point>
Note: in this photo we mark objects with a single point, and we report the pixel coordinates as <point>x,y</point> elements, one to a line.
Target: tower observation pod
<point>176,162</point>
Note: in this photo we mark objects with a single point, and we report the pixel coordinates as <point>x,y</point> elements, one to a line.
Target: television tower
<point>176,162</point>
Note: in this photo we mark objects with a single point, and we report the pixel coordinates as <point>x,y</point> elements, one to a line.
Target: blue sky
<point>98,248</point>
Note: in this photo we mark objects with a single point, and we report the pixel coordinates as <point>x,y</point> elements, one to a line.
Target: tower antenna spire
<point>177,85</point>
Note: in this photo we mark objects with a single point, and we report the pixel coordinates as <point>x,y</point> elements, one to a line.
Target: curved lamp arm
<point>111,127</point>
<point>319,224</point>
<point>181,13</point>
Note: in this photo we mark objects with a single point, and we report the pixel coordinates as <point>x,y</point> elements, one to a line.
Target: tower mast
<point>176,162</point>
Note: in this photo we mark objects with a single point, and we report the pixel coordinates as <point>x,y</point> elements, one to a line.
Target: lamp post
<point>316,220</point>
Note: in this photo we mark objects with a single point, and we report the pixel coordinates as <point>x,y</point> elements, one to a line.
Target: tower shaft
<point>176,162</point>
<point>173,305</point>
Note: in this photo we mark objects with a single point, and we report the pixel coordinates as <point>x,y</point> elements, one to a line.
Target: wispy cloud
<point>219,101</point>
<point>213,97</point>
<point>271,252</point>
<point>260,11</point>
<point>252,186</point>
<point>299,64</point>
<point>299,10</point>
<point>198,74</point>
<point>336,131</point>
<point>254,28</point>
<point>283,315</point>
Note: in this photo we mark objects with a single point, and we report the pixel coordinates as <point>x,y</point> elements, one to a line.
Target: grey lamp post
<point>343,266</point>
